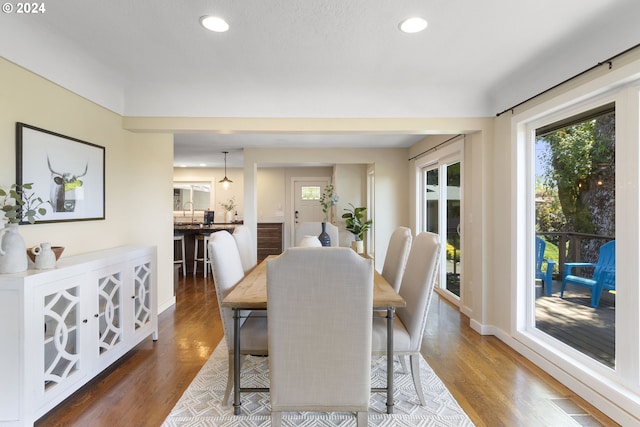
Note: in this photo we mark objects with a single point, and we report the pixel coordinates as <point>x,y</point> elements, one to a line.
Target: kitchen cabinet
<point>269,239</point>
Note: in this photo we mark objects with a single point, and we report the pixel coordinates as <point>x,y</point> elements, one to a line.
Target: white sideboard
<point>62,327</point>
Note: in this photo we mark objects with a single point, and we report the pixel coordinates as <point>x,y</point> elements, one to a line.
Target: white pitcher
<point>13,251</point>
<point>45,257</point>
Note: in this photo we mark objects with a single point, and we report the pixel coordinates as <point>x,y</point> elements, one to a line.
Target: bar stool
<point>204,238</point>
<point>183,258</point>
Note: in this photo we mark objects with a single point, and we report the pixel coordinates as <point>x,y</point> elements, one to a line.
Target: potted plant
<point>357,224</point>
<point>228,206</point>
<point>17,206</point>
<point>327,200</point>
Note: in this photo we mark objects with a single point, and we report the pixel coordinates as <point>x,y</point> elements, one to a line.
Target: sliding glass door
<point>441,202</point>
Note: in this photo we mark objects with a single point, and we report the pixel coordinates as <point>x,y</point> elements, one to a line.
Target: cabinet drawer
<point>269,239</point>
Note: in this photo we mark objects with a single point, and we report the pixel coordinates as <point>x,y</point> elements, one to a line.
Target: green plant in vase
<point>18,206</point>
<point>357,224</point>
<point>228,206</point>
<point>327,200</point>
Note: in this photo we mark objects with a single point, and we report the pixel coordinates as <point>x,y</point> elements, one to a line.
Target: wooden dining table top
<point>251,291</point>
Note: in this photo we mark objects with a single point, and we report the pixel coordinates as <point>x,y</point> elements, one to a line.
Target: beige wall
<point>138,171</point>
<point>390,166</point>
<point>351,187</point>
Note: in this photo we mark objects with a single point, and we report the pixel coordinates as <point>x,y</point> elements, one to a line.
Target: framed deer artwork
<point>65,172</point>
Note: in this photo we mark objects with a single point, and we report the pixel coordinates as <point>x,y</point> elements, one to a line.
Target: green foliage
<point>453,253</point>
<point>355,221</point>
<point>72,185</point>
<point>571,155</point>
<point>549,215</point>
<point>579,156</point>
<point>19,205</point>
<point>328,199</point>
<point>229,205</point>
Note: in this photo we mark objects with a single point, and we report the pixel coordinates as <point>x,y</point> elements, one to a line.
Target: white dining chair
<point>410,321</point>
<point>320,303</point>
<point>395,260</point>
<point>243,239</point>
<point>314,229</point>
<point>227,272</point>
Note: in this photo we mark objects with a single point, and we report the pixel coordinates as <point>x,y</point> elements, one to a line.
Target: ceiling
<point>317,59</point>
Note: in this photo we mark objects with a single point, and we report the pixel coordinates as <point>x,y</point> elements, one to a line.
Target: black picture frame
<point>66,172</point>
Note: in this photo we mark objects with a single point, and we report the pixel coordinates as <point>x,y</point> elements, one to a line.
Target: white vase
<point>358,246</point>
<point>13,250</point>
<point>310,242</point>
<point>228,217</point>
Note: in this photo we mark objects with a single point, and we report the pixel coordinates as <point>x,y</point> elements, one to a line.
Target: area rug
<point>200,405</point>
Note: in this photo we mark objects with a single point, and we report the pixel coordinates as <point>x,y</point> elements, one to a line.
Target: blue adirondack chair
<point>545,276</point>
<point>604,273</point>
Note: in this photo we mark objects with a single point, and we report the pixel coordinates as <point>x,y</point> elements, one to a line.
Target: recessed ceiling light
<point>213,23</point>
<point>413,25</point>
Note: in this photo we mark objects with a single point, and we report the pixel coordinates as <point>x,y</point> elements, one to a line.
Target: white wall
<point>138,171</point>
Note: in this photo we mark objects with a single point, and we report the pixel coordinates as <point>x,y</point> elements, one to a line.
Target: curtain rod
<point>435,147</point>
<point>599,64</point>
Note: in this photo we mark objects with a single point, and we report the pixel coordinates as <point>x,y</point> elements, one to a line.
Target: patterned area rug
<point>200,405</point>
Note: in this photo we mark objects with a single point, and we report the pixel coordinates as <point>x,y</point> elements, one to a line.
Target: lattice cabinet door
<point>143,304</point>
<point>64,357</point>
<point>110,312</point>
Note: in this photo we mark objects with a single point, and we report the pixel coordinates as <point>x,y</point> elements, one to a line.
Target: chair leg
<point>564,283</point>
<point>403,363</point>
<point>596,293</point>
<point>227,391</point>
<point>415,373</point>
<point>184,259</point>
<point>363,418</point>
<point>276,419</point>
<point>195,256</point>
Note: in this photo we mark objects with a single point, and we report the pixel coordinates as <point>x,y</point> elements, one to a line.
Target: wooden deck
<point>574,322</point>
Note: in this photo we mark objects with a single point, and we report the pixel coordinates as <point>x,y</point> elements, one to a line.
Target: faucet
<point>184,208</point>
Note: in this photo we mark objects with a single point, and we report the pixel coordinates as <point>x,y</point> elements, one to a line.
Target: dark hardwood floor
<point>494,385</point>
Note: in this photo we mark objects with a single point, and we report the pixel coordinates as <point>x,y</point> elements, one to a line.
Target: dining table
<point>251,294</point>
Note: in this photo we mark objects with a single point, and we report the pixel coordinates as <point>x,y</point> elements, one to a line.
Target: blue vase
<point>324,237</point>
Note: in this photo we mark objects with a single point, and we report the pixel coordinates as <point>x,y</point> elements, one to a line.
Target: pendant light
<point>225,181</point>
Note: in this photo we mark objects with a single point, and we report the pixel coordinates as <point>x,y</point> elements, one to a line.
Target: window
<point>310,192</point>
<point>574,219</point>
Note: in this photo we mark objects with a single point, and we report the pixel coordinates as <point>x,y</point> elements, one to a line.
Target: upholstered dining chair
<point>396,258</point>
<point>243,239</point>
<point>410,321</point>
<point>314,229</point>
<point>320,303</point>
<point>227,272</point>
